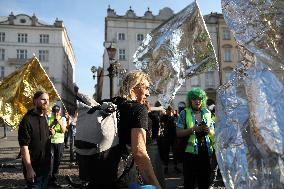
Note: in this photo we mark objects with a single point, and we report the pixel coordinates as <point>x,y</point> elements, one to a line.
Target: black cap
<point>55,108</point>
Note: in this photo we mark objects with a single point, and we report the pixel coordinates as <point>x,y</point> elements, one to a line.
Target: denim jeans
<point>72,140</point>
<point>40,182</point>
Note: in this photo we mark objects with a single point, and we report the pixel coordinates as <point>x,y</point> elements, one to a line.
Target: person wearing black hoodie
<point>34,141</point>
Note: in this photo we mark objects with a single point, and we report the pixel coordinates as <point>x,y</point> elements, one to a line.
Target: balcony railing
<point>15,61</point>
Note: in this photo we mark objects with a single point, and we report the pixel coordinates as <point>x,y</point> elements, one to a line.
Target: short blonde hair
<point>133,79</point>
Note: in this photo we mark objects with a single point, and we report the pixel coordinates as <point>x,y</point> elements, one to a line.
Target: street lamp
<point>113,67</point>
<point>94,70</point>
<point>113,70</point>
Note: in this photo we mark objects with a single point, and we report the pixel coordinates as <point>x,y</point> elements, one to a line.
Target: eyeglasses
<point>197,99</point>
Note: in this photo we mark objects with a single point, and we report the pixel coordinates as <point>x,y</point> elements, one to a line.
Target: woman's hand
<point>197,128</point>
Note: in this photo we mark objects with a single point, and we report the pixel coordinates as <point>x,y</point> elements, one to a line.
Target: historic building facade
<point>23,36</point>
<point>127,32</point>
<point>226,48</point>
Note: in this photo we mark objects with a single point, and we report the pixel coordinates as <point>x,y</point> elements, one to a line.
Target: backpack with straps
<point>97,140</point>
<point>97,129</point>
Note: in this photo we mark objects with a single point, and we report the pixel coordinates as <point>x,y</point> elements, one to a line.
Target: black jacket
<point>155,118</point>
<point>34,133</point>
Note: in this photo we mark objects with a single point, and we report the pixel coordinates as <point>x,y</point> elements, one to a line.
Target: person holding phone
<point>57,126</point>
<point>195,122</point>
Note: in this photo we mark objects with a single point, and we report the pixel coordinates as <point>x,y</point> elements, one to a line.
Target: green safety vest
<point>58,137</point>
<point>192,140</point>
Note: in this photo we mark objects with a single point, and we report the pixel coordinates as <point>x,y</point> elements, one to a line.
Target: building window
<point>2,72</point>
<point>209,79</point>
<point>46,69</point>
<point>22,54</point>
<point>140,37</point>
<point>239,56</point>
<point>22,38</point>
<point>227,55</point>
<point>121,36</point>
<point>122,54</point>
<point>227,75</point>
<point>226,34</point>
<point>43,55</point>
<point>23,21</point>
<point>194,81</point>
<point>44,38</point>
<point>2,37</point>
<point>2,54</point>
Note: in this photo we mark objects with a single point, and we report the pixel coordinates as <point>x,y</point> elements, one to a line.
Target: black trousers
<point>56,155</point>
<point>214,169</point>
<point>196,171</point>
<point>100,170</point>
<point>165,146</point>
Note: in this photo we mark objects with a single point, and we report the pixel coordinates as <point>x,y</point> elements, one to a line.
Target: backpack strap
<point>126,170</point>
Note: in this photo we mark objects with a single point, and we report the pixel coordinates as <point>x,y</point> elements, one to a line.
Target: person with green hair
<point>196,125</point>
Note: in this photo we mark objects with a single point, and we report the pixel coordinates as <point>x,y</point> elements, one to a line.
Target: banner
<point>17,90</point>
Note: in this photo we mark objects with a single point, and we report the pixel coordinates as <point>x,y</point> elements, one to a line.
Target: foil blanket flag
<point>177,49</point>
<point>18,88</point>
<point>250,123</point>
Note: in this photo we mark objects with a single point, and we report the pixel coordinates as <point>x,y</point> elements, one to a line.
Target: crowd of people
<point>149,135</point>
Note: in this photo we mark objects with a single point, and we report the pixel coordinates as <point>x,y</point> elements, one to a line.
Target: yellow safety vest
<point>58,137</point>
<point>192,140</point>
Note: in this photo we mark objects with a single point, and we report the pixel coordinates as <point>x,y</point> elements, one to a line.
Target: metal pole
<point>111,75</point>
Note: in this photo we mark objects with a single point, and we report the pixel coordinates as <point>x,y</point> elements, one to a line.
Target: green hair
<point>197,93</point>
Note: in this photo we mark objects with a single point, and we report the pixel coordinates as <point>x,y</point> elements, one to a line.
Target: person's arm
<point>28,164</point>
<point>75,118</point>
<point>24,139</point>
<point>63,124</point>
<point>68,120</point>
<point>141,158</point>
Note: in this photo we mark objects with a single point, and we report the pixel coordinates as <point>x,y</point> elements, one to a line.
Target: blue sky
<point>84,21</point>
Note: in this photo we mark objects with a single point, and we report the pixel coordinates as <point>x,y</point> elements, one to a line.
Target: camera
<point>55,121</point>
<point>201,123</point>
<point>202,134</point>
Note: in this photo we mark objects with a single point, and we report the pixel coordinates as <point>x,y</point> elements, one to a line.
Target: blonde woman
<point>134,122</point>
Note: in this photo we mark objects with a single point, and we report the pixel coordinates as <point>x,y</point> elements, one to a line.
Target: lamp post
<point>113,66</point>
<point>113,70</point>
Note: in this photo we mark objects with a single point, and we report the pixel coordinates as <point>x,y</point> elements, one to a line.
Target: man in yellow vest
<point>57,126</point>
<point>196,124</point>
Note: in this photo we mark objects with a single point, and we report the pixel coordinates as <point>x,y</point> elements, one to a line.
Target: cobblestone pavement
<point>11,175</point>
<point>11,168</point>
